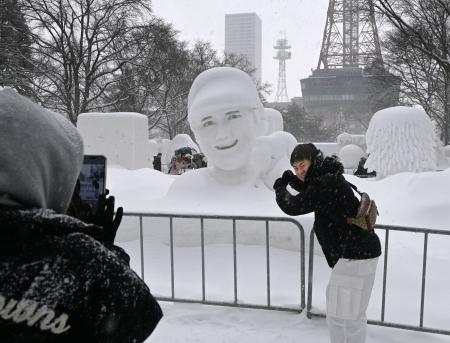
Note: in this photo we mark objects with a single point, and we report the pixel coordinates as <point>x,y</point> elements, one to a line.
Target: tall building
<point>243,37</point>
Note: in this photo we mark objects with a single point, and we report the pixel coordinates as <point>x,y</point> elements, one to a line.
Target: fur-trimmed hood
<point>321,166</point>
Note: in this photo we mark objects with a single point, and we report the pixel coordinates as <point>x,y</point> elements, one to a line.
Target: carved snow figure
<point>271,155</point>
<point>400,139</point>
<point>273,121</point>
<point>225,113</point>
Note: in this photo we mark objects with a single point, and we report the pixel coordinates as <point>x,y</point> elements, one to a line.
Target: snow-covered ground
<point>407,199</point>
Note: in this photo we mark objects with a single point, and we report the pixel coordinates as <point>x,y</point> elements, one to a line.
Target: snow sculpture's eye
<point>233,115</point>
<point>208,123</point>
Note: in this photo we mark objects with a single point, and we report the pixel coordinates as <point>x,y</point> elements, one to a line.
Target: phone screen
<point>92,179</point>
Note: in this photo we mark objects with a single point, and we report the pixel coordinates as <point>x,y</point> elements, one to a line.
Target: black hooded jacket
<point>326,193</point>
<point>58,283</point>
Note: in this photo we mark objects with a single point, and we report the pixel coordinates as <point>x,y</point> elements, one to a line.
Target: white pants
<point>348,294</point>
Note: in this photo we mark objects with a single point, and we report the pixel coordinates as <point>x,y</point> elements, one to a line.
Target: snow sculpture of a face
<point>223,111</point>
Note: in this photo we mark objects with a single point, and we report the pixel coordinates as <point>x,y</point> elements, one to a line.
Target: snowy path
<point>204,323</point>
<point>213,324</point>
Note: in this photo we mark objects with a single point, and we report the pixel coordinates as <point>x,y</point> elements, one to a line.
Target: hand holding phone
<point>104,217</point>
<point>90,201</point>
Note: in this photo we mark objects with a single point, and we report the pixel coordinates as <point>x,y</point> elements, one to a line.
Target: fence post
<point>141,236</point>
<point>310,274</point>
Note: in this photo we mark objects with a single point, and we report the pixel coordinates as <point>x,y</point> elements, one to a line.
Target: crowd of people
<point>183,159</point>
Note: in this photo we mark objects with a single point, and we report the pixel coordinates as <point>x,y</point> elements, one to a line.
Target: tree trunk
<point>446,126</point>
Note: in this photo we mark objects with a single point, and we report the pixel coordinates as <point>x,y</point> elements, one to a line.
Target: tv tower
<point>282,55</point>
<point>350,82</point>
<point>350,37</point>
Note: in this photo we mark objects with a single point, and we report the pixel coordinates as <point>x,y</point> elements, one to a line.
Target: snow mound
<point>350,155</point>
<point>134,190</point>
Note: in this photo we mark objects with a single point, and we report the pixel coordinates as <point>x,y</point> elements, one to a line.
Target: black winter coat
<point>326,193</point>
<point>59,284</point>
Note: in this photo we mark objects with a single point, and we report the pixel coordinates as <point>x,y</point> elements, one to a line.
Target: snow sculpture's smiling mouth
<point>224,147</point>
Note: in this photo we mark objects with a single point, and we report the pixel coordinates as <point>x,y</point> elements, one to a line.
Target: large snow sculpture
<point>120,136</point>
<point>400,139</point>
<point>225,112</point>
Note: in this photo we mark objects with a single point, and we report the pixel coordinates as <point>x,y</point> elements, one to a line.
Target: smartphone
<point>92,180</point>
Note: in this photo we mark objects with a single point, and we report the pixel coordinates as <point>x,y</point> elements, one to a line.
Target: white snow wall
<point>120,136</point>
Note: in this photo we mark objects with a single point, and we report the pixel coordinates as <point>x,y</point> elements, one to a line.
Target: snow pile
<point>180,141</point>
<point>350,156</point>
<point>400,139</point>
<point>134,190</point>
<point>120,136</point>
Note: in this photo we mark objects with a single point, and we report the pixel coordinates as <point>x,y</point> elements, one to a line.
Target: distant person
<point>157,162</point>
<point>61,279</point>
<point>361,171</point>
<point>350,251</point>
<point>198,161</point>
<point>172,168</point>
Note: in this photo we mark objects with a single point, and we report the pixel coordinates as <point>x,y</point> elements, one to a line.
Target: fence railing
<point>382,322</point>
<point>234,219</point>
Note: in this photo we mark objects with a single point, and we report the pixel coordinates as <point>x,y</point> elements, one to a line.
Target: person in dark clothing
<point>157,162</point>
<point>61,279</point>
<point>351,252</point>
<point>361,171</point>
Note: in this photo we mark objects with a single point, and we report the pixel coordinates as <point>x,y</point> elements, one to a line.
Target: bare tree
<point>140,81</point>
<point>78,48</point>
<point>14,46</point>
<point>419,47</point>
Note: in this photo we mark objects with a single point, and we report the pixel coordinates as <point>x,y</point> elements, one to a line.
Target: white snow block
<point>120,136</point>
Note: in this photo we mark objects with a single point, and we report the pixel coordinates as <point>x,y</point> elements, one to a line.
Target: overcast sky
<point>302,20</point>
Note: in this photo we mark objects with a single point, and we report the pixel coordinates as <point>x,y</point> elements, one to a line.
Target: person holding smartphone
<point>61,279</point>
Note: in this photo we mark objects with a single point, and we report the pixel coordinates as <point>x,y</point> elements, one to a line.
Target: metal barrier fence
<point>234,219</point>
<point>382,322</point>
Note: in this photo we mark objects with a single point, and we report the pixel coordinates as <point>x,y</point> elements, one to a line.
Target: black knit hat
<point>304,151</point>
